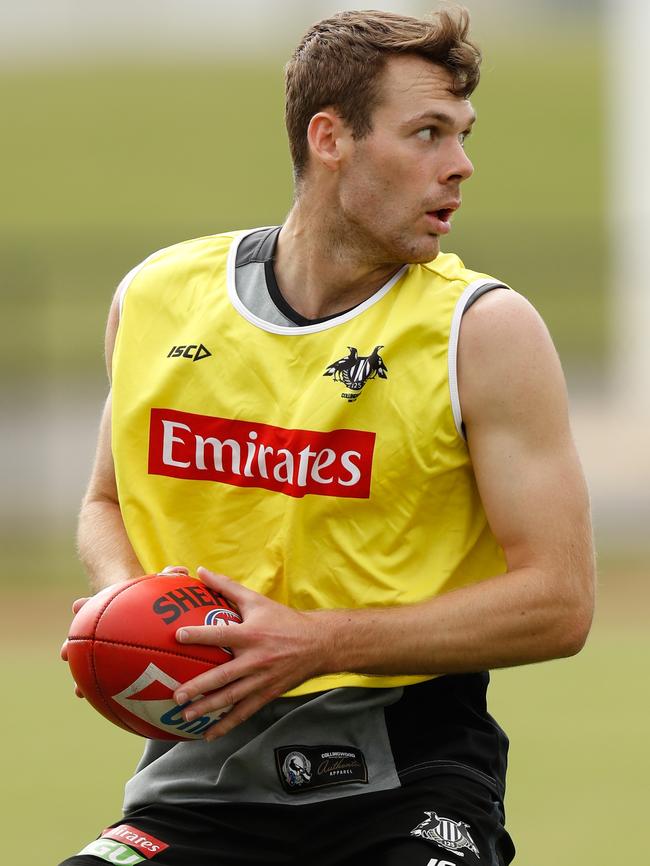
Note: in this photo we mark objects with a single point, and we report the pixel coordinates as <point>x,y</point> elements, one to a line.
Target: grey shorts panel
<point>292,751</point>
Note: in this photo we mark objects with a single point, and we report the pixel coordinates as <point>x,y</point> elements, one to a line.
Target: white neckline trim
<point>289,330</point>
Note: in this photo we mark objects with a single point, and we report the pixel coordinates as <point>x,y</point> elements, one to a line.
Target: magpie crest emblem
<point>297,769</point>
<point>448,834</point>
<point>355,370</point>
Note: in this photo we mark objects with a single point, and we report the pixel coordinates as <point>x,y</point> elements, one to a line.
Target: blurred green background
<point>108,164</point>
<point>109,155</point>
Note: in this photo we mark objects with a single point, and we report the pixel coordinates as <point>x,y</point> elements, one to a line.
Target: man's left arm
<point>514,407</point>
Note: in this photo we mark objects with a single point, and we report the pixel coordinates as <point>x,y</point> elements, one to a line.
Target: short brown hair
<point>339,62</point>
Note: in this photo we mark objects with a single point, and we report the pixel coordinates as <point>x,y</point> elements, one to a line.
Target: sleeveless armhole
<point>128,279</point>
<point>471,294</point>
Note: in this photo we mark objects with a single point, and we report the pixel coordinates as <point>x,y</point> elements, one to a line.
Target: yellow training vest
<point>321,465</point>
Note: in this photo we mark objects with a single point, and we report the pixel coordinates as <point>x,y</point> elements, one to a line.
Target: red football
<point>124,656</point>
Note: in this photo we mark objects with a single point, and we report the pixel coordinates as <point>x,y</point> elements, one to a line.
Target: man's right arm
<point>103,544</point>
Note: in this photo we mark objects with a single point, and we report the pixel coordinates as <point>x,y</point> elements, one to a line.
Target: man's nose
<point>459,166</point>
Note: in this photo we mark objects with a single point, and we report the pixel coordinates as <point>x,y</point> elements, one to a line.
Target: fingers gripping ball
<point>124,656</point>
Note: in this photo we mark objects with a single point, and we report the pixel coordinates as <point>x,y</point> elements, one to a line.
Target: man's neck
<point>319,268</point>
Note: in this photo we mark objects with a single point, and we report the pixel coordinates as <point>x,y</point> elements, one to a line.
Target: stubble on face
<point>390,182</point>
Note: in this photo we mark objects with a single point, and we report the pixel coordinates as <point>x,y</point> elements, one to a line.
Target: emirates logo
<point>355,370</point>
<point>294,462</point>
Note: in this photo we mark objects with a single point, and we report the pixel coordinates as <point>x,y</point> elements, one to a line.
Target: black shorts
<point>441,820</point>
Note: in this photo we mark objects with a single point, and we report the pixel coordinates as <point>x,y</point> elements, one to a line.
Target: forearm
<point>511,619</point>
<point>104,547</point>
<point>526,615</point>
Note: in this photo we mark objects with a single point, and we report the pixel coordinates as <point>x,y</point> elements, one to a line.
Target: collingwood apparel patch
<point>303,768</point>
<point>450,835</point>
<point>355,370</point>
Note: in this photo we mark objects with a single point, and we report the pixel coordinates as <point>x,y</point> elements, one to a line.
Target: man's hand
<point>276,648</point>
<point>77,604</point>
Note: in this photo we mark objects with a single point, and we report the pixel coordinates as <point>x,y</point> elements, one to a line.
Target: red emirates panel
<point>249,454</point>
<point>134,838</point>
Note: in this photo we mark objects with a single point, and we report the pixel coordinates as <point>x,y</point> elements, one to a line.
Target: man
<point>370,444</point>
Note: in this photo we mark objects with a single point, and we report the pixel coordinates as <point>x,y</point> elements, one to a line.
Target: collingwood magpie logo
<point>296,769</point>
<point>450,835</point>
<point>355,370</point>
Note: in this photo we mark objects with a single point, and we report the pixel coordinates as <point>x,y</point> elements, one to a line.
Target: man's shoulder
<point>172,264</point>
<point>196,253</point>
<point>450,267</point>
<point>193,248</point>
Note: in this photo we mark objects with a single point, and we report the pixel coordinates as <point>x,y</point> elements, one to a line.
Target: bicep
<point>111,330</point>
<point>102,484</point>
<point>515,410</point>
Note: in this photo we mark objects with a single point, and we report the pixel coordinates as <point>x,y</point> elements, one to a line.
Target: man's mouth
<point>441,218</point>
<point>444,213</point>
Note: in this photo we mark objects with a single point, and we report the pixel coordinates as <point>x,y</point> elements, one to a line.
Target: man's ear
<point>328,139</point>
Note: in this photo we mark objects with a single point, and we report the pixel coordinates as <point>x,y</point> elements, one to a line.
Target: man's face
<point>401,183</point>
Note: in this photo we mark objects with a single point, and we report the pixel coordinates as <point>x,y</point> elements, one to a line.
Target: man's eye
<point>427,134</point>
<point>463,138</point>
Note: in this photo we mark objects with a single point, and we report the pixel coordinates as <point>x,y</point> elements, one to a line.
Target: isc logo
<point>193,352</point>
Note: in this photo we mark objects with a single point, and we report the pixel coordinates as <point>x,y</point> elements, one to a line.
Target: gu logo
<point>354,371</point>
<point>450,835</point>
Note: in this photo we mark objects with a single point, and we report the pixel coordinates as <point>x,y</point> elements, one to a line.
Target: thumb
<point>175,569</point>
<point>78,603</point>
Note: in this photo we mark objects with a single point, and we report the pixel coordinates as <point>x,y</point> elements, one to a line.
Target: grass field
<point>578,728</point>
